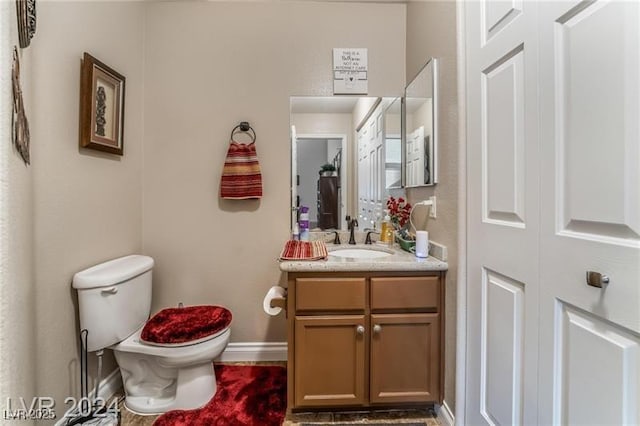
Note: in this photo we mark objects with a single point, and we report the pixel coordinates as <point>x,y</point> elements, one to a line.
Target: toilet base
<point>160,379</point>
<point>195,386</point>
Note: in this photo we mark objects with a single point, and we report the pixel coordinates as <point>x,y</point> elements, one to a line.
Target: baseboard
<point>444,414</point>
<point>254,351</point>
<point>109,385</point>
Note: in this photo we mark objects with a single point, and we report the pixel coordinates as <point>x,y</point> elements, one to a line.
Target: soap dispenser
<point>304,223</point>
<point>386,230</point>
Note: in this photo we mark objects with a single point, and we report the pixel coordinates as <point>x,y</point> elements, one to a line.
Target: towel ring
<point>244,127</point>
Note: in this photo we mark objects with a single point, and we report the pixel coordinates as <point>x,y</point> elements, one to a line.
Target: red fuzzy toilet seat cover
<point>182,325</point>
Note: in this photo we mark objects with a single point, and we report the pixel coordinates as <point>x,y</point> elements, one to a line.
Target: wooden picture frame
<point>26,11</point>
<point>101,106</point>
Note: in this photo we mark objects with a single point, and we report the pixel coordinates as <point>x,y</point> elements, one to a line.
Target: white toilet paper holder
<point>275,301</point>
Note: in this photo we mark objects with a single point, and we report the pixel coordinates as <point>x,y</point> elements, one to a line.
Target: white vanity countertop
<point>400,260</point>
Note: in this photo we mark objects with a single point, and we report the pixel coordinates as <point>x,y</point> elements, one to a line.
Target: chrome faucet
<point>351,224</point>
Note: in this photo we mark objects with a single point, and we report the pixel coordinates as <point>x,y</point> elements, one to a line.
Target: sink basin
<point>359,253</point>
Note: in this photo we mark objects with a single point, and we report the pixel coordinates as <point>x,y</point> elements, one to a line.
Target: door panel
<point>415,157</point>
<point>405,358</point>
<point>596,115</point>
<point>503,140</point>
<point>371,157</point>
<point>380,166</point>
<point>330,360</point>
<point>589,115</point>
<point>592,357</point>
<point>497,15</point>
<point>503,213</point>
<point>502,346</point>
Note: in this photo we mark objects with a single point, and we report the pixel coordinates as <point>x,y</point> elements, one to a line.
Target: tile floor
<point>386,417</point>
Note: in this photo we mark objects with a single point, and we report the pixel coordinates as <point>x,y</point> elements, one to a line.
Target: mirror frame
<point>434,119</point>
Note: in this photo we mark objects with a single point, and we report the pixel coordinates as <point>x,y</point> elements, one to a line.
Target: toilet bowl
<point>166,362</point>
<point>157,379</point>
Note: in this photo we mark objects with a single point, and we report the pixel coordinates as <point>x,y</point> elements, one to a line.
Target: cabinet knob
<point>360,329</point>
<point>377,328</point>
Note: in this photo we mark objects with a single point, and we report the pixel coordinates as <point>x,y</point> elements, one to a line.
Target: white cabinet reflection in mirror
<point>421,128</point>
<point>417,167</point>
<point>371,159</point>
<point>393,145</point>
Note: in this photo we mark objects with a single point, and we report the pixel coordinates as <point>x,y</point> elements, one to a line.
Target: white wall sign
<point>350,71</point>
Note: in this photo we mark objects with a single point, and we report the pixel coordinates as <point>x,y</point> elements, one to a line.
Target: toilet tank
<point>114,299</point>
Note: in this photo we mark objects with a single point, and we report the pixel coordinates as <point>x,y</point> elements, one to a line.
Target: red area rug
<point>247,395</point>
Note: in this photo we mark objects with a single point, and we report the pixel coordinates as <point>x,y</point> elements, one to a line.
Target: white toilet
<point>114,300</point>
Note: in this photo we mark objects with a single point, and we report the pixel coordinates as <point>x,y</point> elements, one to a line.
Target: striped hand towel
<point>241,176</point>
<point>304,250</point>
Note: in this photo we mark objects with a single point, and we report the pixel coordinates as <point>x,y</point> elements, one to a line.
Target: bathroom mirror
<point>421,144</point>
<point>332,173</point>
<point>393,145</point>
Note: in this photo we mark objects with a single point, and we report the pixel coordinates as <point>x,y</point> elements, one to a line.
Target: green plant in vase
<point>327,169</point>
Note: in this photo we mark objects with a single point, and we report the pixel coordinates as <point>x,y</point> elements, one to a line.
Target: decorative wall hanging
<point>101,106</point>
<point>19,122</point>
<point>26,11</point>
<point>241,175</point>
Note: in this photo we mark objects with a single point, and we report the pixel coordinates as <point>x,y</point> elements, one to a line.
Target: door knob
<point>596,279</point>
<point>360,329</point>
<point>377,328</point>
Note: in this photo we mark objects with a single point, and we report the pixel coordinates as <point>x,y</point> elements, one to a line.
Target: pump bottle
<point>386,230</point>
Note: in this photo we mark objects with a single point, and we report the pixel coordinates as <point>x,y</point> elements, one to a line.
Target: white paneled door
<point>553,97</point>
<point>503,227</point>
<point>415,157</point>
<point>589,79</point>
<point>371,166</point>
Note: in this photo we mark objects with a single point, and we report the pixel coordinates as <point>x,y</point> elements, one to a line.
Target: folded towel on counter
<point>241,176</point>
<point>304,250</point>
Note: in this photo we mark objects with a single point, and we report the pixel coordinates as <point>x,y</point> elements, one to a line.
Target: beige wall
<point>17,316</point>
<point>210,65</point>
<point>363,106</point>
<point>431,32</point>
<point>87,205</point>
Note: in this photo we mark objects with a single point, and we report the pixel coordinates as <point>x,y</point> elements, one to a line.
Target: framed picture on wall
<point>101,106</point>
<point>26,11</point>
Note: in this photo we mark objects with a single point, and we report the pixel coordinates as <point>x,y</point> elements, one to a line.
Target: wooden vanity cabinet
<point>330,360</point>
<point>405,358</point>
<point>365,339</point>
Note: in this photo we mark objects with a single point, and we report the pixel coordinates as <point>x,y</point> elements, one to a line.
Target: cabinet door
<point>405,358</point>
<point>329,360</point>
